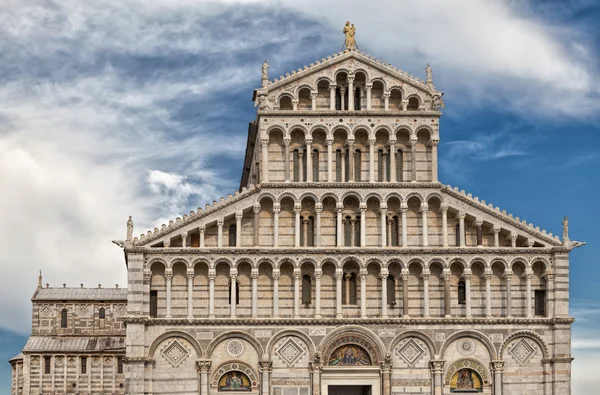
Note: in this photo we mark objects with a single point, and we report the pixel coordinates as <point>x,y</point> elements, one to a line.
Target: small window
<point>399,167</point>
<point>46,365</point>
<point>457,230</point>
<point>237,292</point>
<point>119,365</point>
<point>83,365</point>
<point>306,290</point>
<point>315,165</point>
<point>357,166</point>
<point>540,302</point>
<point>101,313</point>
<point>63,318</point>
<point>153,304</point>
<point>462,293</point>
<point>391,291</point>
<point>232,235</point>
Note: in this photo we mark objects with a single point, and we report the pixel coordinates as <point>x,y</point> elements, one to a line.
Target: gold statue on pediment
<point>350,31</point>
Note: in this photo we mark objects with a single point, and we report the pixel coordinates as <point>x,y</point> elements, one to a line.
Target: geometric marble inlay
<point>45,310</point>
<point>522,351</point>
<point>234,348</point>
<point>290,352</point>
<point>411,352</point>
<point>466,347</point>
<point>175,353</point>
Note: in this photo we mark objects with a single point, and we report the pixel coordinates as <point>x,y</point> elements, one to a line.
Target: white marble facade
<point>342,265</point>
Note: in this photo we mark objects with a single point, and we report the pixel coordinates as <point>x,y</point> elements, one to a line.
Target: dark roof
<point>74,344</point>
<point>80,294</point>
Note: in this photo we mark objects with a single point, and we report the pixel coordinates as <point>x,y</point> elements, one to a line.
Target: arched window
<point>357,99</point>
<point>338,99</point>
<point>353,283</point>
<point>303,164</point>
<point>391,290</point>
<point>338,165</point>
<point>357,232</point>
<point>413,104</point>
<point>399,166</point>
<point>232,235</point>
<point>285,103</point>
<point>315,165</point>
<point>295,162</point>
<point>357,165</point>
<point>349,289</point>
<point>101,313</point>
<point>462,293</point>
<point>63,318</point>
<point>457,229</point>
<point>347,232</point>
<point>237,292</point>
<point>395,237</point>
<point>310,232</point>
<point>306,290</point>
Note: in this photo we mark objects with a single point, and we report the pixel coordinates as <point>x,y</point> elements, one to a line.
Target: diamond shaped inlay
<point>411,352</point>
<point>522,351</point>
<point>290,352</point>
<point>175,353</point>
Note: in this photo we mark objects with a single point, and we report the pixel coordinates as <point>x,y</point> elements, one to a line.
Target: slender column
<point>169,278</point>
<point>190,304</point>
<point>232,284</point>
<point>404,104</point>
<point>413,158</point>
<point>384,155</point>
<point>305,232</point>
<point>437,369</point>
<point>256,211</point>
<point>371,160</point>
<point>424,208</point>
<point>461,228</point>
<point>254,276</point>
<point>384,302</point>
<point>317,233</point>
<point>479,227</point>
<point>403,211</point>
<point>405,307</point>
<point>276,210</point>
<point>167,243</point>
<point>295,104</point>
<point>496,236</point>
<point>297,276</point>
<point>386,375</point>
<point>351,93</point>
<point>351,160</point>
<point>309,172</point>
<point>340,229</point>
<point>393,161</point>
<point>265,370</point>
<point>467,278</point>
<point>444,210</point>
<point>238,228</point>
<point>530,243</point>
<point>528,276</point>
<point>383,212</point>
<point>363,227</point>
<point>488,294</point>
<point>347,277</point>
<point>338,293</point>
<point>286,159</point>
<point>204,368</point>
<point>332,97</point>
<point>386,98</point>
<point>390,223</point>
<point>317,276</point>
<point>434,160</point>
<point>508,278</point>
<point>425,277</point>
<point>313,101</point>
<point>184,237</point>
<point>297,209</point>
<point>264,147</point>
<point>300,166</point>
<point>343,166</point>
<point>368,87</point>
<point>352,232</point>
<point>220,232</point>
<point>276,274</point>
<point>513,240</point>
<point>363,294</point>
<point>550,288</point>
<point>211,292</point>
<point>447,306</point>
<point>329,160</point>
<point>342,98</point>
<point>497,369</point>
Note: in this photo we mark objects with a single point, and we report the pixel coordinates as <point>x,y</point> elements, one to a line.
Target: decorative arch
<point>395,260</point>
<point>323,78</point>
<point>292,332</point>
<point>170,334</point>
<point>153,260</point>
<point>397,195</point>
<point>419,335</point>
<point>335,262</point>
<point>198,260</point>
<point>303,86</point>
<point>379,79</point>
<point>416,194</point>
<point>423,126</point>
<point>544,260</point>
<point>299,127</point>
<point>361,70</point>
<point>276,127</point>
<point>469,364</point>
<point>282,95</point>
<point>283,260</point>
<point>344,127</point>
<point>362,126</point>
<point>329,194</point>
<point>481,259</point>
<point>376,195</point>
<point>460,260</point>
<point>342,70</point>
<point>355,194</point>
<point>376,260</point>
<point>234,366</point>
<point>311,195</point>
<point>352,334</point>
<point>501,260</point>
<point>399,88</point>
<point>317,127</point>
<point>436,195</point>
<point>353,258</point>
<point>470,333</point>
<point>231,334</point>
<point>439,260</point>
<point>270,261</point>
<point>519,259</point>
<point>222,259</point>
<point>238,261</point>
<point>179,259</point>
<point>287,194</point>
<point>529,335</point>
<point>263,195</point>
<point>404,126</point>
<point>310,260</point>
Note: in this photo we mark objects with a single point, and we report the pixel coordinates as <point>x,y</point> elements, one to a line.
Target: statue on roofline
<point>565,224</point>
<point>350,31</point>
<point>129,229</point>
<point>265,73</point>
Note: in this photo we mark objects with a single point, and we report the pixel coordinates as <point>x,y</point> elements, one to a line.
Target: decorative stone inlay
<point>35,361</point>
<point>95,361</point>
<point>263,334</point>
<point>466,347</point>
<point>411,352</point>
<point>58,361</point>
<point>439,337</point>
<point>175,353</point>
<point>46,310</point>
<point>522,351</point>
<point>71,362</point>
<point>234,348</point>
<point>108,361</point>
<point>204,335</point>
<point>386,333</point>
<point>121,309</point>
<point>469,364</point>
<point>83,310</point>
<point>290,352</point>
<point>497,337</point>
<point>317,331</point>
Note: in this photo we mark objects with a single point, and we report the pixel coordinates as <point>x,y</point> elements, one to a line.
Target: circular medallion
<point>234,348</point>
<point>466,347</point>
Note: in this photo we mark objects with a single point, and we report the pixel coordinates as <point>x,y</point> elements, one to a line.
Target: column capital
<point>425,276</point>
<point>383,276</point>
<point>387,95</point>
<point>212,274</point>
<point>433,142</point>
<point>497,366</point>
<point>513,236</point>
<point>286,142</point>
<point>254,274</point>
<point>528,276</point>
<point>424,207</point>
<point>404,276</point>
<point>168,274</point>
<point>256,208</point>
<point>203,365</point>
<point>264,143</point>
<point>412,142</point>
<point>362,275</point>
<point>276,207</point>
<point>339,274</point>
<point>184,235</point>
<point>446,275</point>
<point>369,86</point>
<point>233,272</point>
<point>265,366</point>
<point>332,87</point>
<point>444,208</point>
<point>461,215</point>
<point>220,222</point>
<point>319,207</point>
<point>318,274</point>
<point>147,276</point>
<point>239,215</point>
<point>202,228</point>
<point>403,208</point>
<point>478,222</point>
<point>295,101</point>
<point>383,211</point>
<point>496,229</point>
<point>297,274</point>
<point>329,141</point>
<point>437,366</point>
<point>351,78</point>
<point>371,142</point>
<point>167,243</point>
<point>190,273</point>
<point>313,95</point>
<point>276,274</point>
<point>308,140</point>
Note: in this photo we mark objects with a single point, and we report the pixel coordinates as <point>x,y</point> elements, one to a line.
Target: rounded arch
<point>310,260</point>
<point>154,260</point>
<point>470,333</point>
<point>527,334</point>
<point>417,260</point>
<point>342,70</point>
<point>329,259</point>
<point>317,127</point>
<point>352,258</point>
<point>376,260</point>
<point>170,334</point>
<point>414,98</point>
<point>438,195</point>
<point>362,70</point>
<point>344,128</point>
<point>265,194</point>
<point>283,260</point>
<point>460,260</point>
<point>288,194</point>
<point>376,195</point>
<point>179,259</point>
<point>544,260</point>
<point>282,95</point>
<point>399,88</point>
<point>311,195</point>
<point>519,259</point>
<point>223,259</point>
<point>268,260</point>
<point>323,78</point>
<point>469,363</point>
<point>292,332</point>
<point>231,334</point>
<point>397,260</point>
<point>379,79</point>
<point>501,261</point>
<point>303,86</point>
<point>425,127</point>
<point>363,126</point>
<point>414,333</point>
<point>387,128</point>
<point>234,365</point>
<point>480,259</point>
<point>240,260</point>
<point>298,126</point>
<point>353,194</point>
<point>397,195</point>
<point>416,194</point>
<point>278,128</point>
<point>439,260</point>
<point>329,194</point>
<point>353,334</point>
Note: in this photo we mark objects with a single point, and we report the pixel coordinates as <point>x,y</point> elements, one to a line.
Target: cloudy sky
<point>110,108</point>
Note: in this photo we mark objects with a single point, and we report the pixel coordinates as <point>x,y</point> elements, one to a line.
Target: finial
<point>81,285</point>
<point>117,286</point>
<point>429,80</point>
<point>565,224</point>
<point>350,42</point>
<point>64,285</point>
<point>265,74</point>
<point>99,285</point>
<point>40,280</point>
<point>129,229</point>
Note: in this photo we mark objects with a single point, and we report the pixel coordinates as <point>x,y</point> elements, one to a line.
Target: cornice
<point>350,185</point>
<point>345,114</point>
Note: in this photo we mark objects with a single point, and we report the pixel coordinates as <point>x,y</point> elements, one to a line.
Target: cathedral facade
<point>342,266</point>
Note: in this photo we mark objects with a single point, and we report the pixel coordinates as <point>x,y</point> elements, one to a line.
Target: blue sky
<point>115,108</point>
